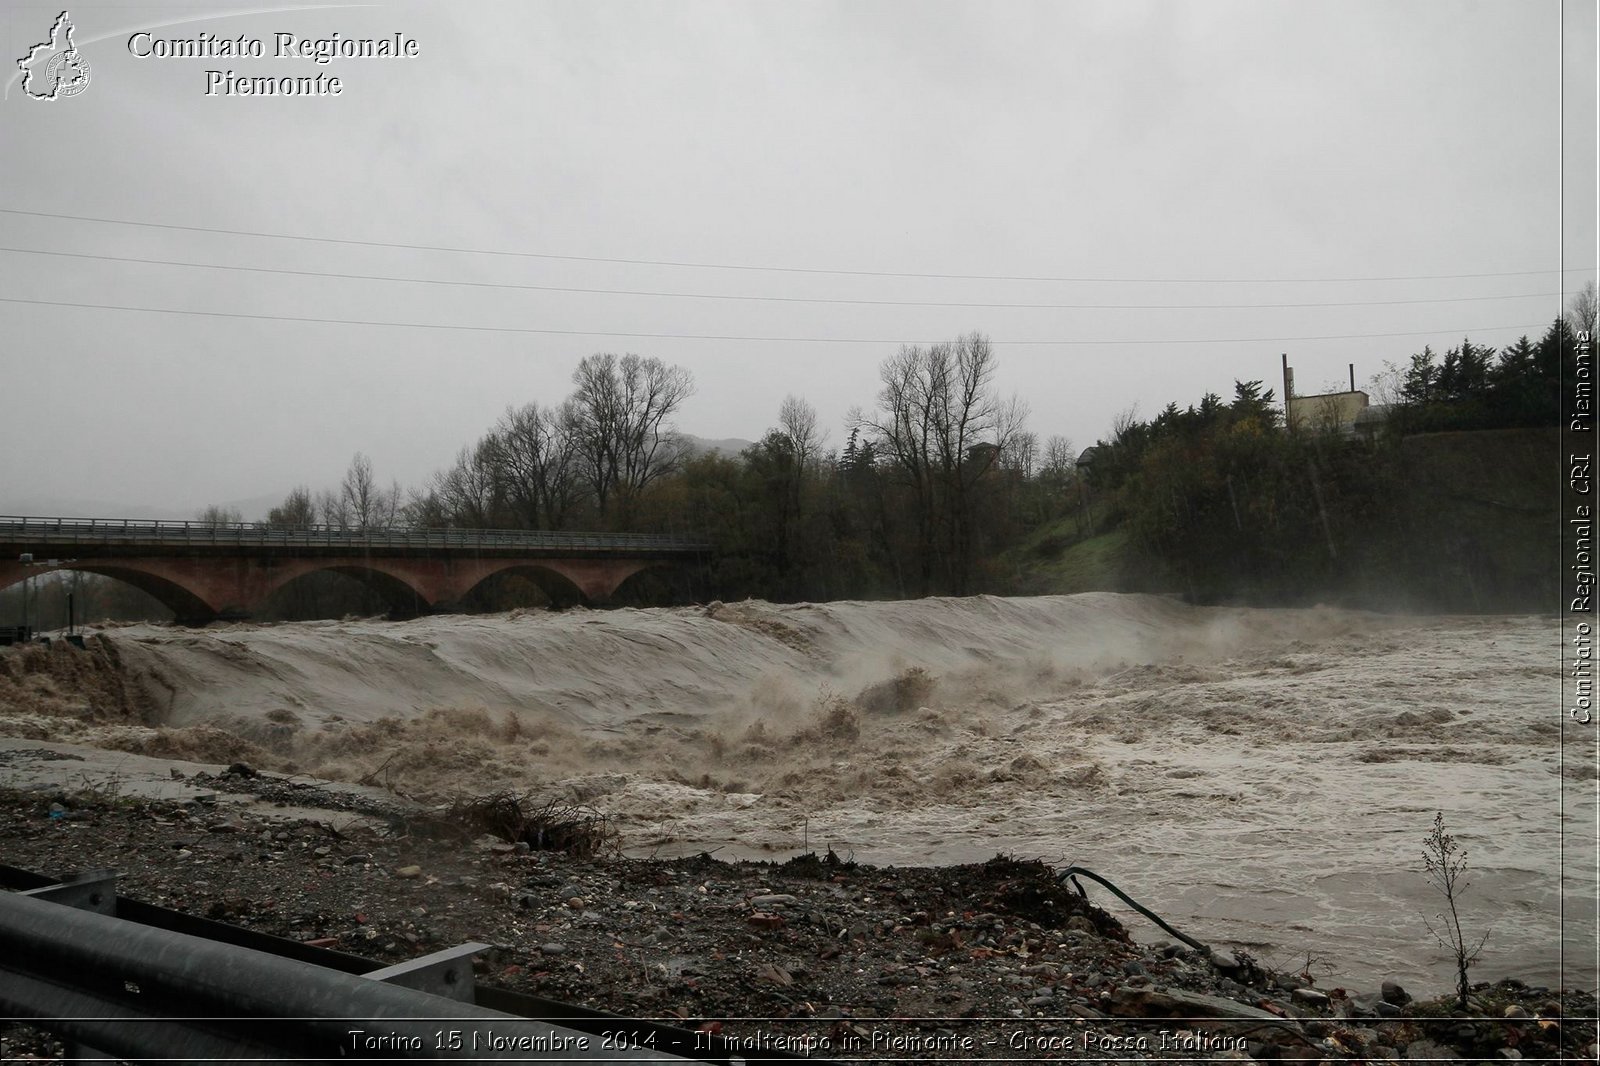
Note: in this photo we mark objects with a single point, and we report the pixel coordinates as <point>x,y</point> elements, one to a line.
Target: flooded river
<point>1261,778</point>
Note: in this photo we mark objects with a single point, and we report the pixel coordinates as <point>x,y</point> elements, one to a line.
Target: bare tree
<point>621,411</point>
<point>1125,424</point>
<point>902,429</point>
<point>296,510</point>
<point>536,448</point>
<point>468,494</point>
<point>1023,454</point>
<point>944,426</point>
<point>425,510</point>
<point>798,420</point>
<point>1384,386</point>
<point>974,428</point>
<point>1583,309</point>
<point>599,418</point>
<point>363,503</point>
<point>217,516</point>
<point>1060,460</point>
<point>332,510</point>
<point>1058,477</point>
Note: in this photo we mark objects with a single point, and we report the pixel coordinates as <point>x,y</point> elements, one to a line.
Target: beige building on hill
<point>1348,414</point>
<point>1328,411</point>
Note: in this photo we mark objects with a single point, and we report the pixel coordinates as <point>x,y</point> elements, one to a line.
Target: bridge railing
<point>111,531</point>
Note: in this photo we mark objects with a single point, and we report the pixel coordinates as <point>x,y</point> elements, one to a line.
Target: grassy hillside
<point>1056,561</point>
<point>1460,521</point>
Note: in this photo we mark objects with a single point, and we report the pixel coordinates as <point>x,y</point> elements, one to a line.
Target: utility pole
<point>26,559</point>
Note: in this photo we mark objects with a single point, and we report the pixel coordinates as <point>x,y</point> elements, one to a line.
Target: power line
<point>769,269</point>
<point>1451,330</point>
<point>766,299</point>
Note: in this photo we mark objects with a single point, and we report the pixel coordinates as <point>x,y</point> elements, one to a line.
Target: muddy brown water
<point>1262,778</point>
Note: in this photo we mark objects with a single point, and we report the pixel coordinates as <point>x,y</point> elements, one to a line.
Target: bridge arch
<point>184,603</point>
<point>658,581</point>
<point>400,594</point>
<point>558,587</point>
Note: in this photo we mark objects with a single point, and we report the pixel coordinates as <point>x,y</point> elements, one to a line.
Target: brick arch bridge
<point>204,571</point>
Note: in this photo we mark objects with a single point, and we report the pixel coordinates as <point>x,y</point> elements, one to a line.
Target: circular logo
<point>69,72</point>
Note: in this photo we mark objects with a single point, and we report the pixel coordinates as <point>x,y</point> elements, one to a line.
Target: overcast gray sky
<point>1132,153</point>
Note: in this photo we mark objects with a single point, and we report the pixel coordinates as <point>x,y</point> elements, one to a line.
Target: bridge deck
<point>100,535</point>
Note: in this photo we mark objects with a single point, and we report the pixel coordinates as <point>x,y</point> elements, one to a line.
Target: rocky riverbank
<point>994,960</point>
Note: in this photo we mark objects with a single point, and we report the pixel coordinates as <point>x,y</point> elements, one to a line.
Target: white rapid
<point>1262,778</point>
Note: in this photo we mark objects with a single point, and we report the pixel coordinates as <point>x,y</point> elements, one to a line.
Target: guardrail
<point>116,977</point>
<point>68,532</point>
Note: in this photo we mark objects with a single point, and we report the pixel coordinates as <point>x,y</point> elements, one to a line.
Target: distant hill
<point>59,507</point>
<point>727,446</point>
<point>252,509</point>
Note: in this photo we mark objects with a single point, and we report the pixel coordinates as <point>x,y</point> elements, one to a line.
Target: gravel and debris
<point>995,960</point>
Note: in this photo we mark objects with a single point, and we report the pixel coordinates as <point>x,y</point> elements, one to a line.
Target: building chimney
<point>1288,391</point>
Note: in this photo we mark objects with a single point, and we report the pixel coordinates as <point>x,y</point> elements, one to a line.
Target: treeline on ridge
<point>941,489</point>
<point>1440,505</point>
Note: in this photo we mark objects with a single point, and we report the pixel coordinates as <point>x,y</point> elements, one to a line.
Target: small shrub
<point>900,694</point>
<point>839,720</point>
<point>1444,862</point>
<point>515,817</point>
<point>1052,546</point>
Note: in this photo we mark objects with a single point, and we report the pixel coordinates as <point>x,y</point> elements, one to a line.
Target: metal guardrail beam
<point>140,993</point>
<point>95,891</point>
<point>446,973</point>
<point>121,1001</point>
<point>70,532</point>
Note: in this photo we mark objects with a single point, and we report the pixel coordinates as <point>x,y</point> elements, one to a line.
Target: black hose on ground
<point>1070,874</point>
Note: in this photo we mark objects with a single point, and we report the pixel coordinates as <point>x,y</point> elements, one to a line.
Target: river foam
<point>1262,778</point>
